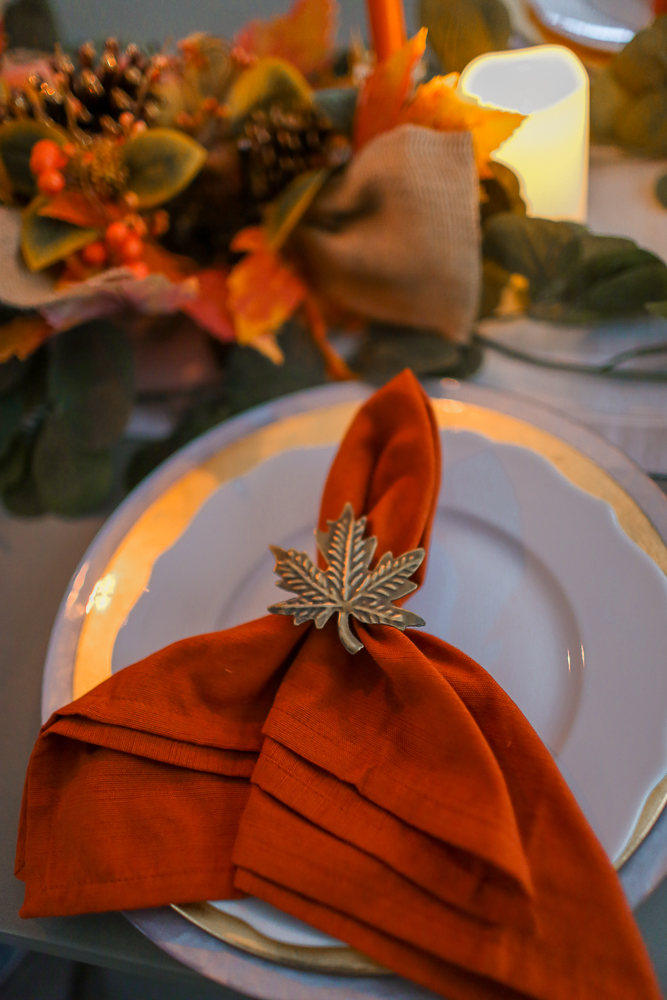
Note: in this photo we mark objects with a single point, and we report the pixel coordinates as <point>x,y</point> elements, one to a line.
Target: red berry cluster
<point>47,162</point>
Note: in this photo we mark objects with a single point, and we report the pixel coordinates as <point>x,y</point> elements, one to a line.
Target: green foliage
<point>16,141</point>
<point>45,241</point>
<point>69,482</point>
<point>13,462</point>
<point>91,383</point>
<point>661,190</point>
<point>527,246</point>
<point>339,105</point>
<point>385,351</point>
<point>629,96</point>
<point>161,163</point>
<point>11,418</point>
<point>287,210</point>
<point>574,275</point>
<point>460,30</point>
<point>269,81</point>
<point>60,420</point>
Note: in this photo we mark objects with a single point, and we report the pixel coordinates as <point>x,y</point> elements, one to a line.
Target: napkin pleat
<point>396,799</point>
<point>444,978</point>
<point>457,877</point>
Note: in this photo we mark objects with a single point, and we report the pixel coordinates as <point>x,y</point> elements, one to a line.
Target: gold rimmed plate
<point>548,522</point>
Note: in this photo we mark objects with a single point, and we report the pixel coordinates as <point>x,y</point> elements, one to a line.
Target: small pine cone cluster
<point>278,145</point>
<point>93,94</point>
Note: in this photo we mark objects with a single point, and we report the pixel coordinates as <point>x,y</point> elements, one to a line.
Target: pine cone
<point>279,145</point>
<point>93,95</point>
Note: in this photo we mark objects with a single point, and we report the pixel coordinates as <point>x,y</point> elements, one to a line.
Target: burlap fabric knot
<point>394,237</point>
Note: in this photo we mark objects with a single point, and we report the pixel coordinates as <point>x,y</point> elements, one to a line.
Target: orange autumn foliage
<point>437,105</point>
<point>304,36</point>
<point>263,289</point>
<point>388,99</point>
<point>23,335</point>
<point>386,91</point>
<point>210,308</point>
<point>80,210</point>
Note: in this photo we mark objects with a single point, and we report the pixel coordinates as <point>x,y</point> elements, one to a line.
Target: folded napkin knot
<point>396,799</point>
<point>349,586</point>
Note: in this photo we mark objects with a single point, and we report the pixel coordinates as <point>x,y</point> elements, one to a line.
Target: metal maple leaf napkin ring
<point>348,586</point>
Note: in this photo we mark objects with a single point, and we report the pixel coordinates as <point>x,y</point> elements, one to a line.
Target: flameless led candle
<point>549,150</point>
<point>387,22</point>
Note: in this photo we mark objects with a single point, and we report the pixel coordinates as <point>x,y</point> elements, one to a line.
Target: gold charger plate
<point>129,568</point>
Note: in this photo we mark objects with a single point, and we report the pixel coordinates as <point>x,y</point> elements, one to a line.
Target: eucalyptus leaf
<point>641,65</point>
<point>627,292</point>
<point>387,350</point>
<point>629,96</point>
<point>11,418</point>
<point>252,379</point>
<point>22,497</point>
<point>13,462</point>
<point>287,210</point>
<point>11,372</point>
<point>69,482</point>
<point>45,241</point>
<point>339,105</point>
<point>643,128</point>
<point>16,141</point>
<point>161,162</point>
<point>460,30</point>
<point>91,383</point>
<point>528,246</point>
<point>661,190</point>
<point>609,103</point>
<point>269,81</point>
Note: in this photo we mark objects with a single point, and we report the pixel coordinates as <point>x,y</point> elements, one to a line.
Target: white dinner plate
<point>530,573</point>
<point>606,25</point>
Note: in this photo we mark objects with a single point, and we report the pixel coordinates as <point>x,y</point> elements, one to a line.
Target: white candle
<point>549,150</point>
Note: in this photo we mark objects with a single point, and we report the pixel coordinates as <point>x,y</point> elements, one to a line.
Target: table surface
<point>37,559</point>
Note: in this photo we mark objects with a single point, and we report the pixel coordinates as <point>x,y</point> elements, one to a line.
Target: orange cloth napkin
<point>396,799</point>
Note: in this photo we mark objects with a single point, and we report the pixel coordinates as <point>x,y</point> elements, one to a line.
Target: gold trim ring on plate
<point>128,571</point>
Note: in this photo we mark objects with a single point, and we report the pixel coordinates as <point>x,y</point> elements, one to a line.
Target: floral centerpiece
<point>257,193</point>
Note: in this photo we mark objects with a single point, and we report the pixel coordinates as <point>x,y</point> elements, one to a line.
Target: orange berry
<point>126,120</point>
<point>46,155</point>
<point>95,254</point>
<point>139,269</point>
<point>136,224</point>
<point>131,200</point>
<point>116,235</point>
<point>132,249</point>
<point>50,182</point>
<point>69,150</point>
<point>139,127</point>
<point>209,105</point>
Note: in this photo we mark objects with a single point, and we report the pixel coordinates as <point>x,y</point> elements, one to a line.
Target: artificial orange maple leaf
<point>437,105</point>
<point>80,210</point>
<point>386,90</point>
<point>263,289</point>
<point>305,36</point>
<point>23,335</point>
<point>174,266</point>
<point>210,308</point>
